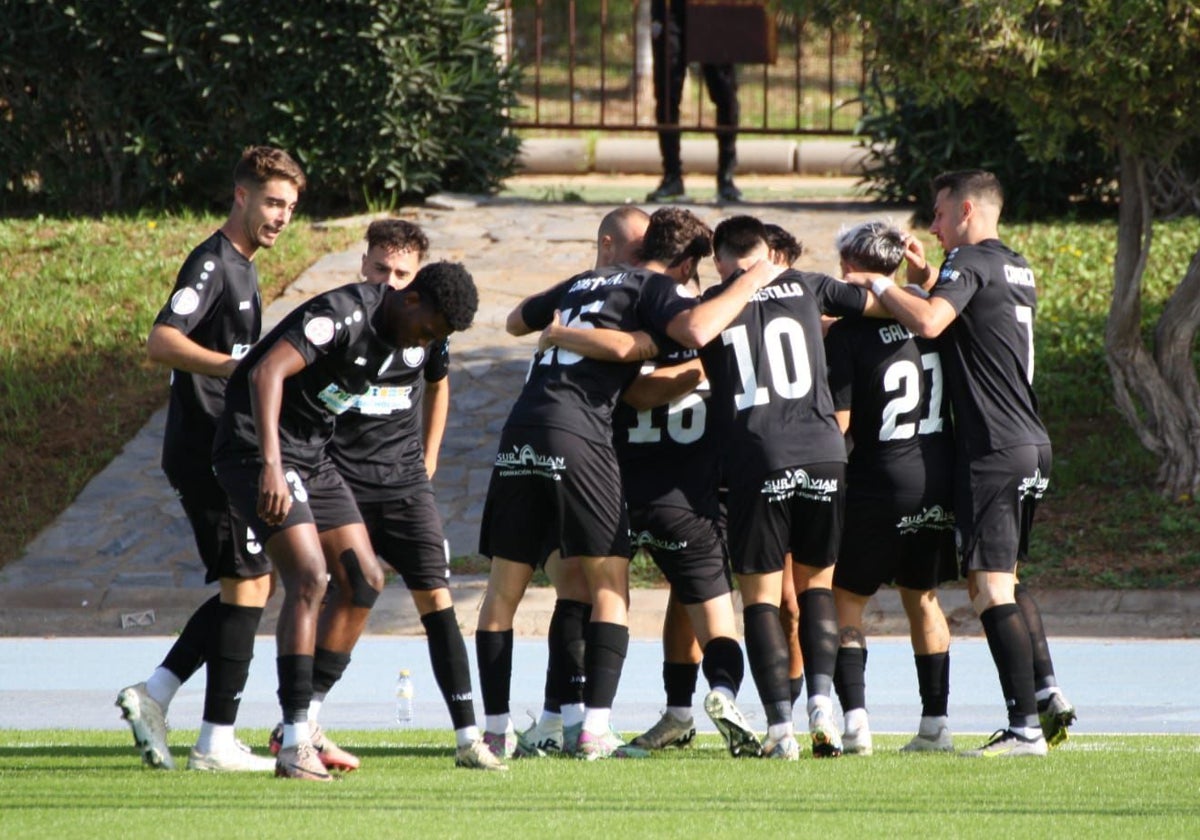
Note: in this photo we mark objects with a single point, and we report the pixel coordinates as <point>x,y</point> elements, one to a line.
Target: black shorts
<point>407,534</point>
<point>689,549</point>
<point>900,541</point>
<point>550,490</point>
<point>228,546</point>
<point>320,496</point>
<point>995,499</point>
<point>798,509</point>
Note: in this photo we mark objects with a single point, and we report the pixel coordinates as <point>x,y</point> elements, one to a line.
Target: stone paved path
<point>124,548</point>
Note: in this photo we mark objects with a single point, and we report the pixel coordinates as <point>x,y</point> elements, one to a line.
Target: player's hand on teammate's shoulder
<point>860,278</point>
<point>764,272</point>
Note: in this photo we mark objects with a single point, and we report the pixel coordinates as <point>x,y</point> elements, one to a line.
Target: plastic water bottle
<point>404,697</point>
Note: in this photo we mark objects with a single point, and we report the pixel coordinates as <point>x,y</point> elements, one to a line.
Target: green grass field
<point>88,783</point>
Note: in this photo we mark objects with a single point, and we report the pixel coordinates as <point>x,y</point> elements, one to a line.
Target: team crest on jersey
<point>935,518</point>
<point>185,301</point>
<point>413,356</point>
<point>798,484</point>
<point>319,330</point>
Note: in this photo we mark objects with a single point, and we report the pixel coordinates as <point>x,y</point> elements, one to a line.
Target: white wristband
<point>880,285</point>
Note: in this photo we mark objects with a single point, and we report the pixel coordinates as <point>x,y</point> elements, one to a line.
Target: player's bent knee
<point>363,591</point>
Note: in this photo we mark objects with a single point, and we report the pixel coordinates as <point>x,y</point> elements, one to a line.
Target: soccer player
<point>785,466</point>
<point>556,457</point>
<point>670,473</point>
<point>982,306</point>
<point>618,238</point>
<point>888,395</point>
<point>212,318</point>
<point>385,446</point>
<point>270,455</point>
<point>784,249</point>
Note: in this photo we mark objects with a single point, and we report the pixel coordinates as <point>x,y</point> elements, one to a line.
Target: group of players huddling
<point>707,429</point>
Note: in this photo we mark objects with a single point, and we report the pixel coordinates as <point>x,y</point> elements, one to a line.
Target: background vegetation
<point>132,104</point>
<point>79,299</point>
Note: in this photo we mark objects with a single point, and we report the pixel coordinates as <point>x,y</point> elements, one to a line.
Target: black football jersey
<point>378,443</point>
<point>988,350</point>
<point>668,454</point>
<point>337,333</point>
<point>767,370</point>
<point>576,394</point>
<point>893,385</point>
<point>216,304</point>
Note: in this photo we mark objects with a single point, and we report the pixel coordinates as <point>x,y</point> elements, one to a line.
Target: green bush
<point>912,143</point>
<point>134,103</point>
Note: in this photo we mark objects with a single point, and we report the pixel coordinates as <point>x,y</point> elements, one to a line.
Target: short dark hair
<point>260,164</point>
<point>614,221</point>
<point>448,288</point>
<point>783,243</point>
<point>973,183</point>
<point>674,234</point>
<point>737,236</point>
<point>875,246</point>
<point>397,235</point>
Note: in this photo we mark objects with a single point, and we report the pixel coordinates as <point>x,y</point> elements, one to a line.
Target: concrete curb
<point>640,155</point>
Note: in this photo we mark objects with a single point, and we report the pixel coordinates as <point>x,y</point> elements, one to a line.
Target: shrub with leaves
<point>135,102</point>
<point>911,143</point>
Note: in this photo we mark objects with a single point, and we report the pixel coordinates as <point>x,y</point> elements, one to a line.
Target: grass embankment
<point>78,301</point>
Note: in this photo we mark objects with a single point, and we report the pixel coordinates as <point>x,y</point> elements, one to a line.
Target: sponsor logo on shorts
<point>798,484</point>
<point>935,518</point>
<point>525,460</point>
<point>1034,486</point>
<point>645,538</point>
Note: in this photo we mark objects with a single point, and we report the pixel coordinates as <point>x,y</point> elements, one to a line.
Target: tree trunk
<point>1157,394</point>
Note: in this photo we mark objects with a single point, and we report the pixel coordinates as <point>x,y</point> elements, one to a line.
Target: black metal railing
<point>586,65</point>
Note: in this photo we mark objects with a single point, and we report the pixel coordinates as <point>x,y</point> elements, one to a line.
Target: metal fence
<point>586,65</point>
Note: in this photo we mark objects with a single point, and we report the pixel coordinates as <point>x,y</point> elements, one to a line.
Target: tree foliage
<point>1125,70</point>
<point>134,102</point>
